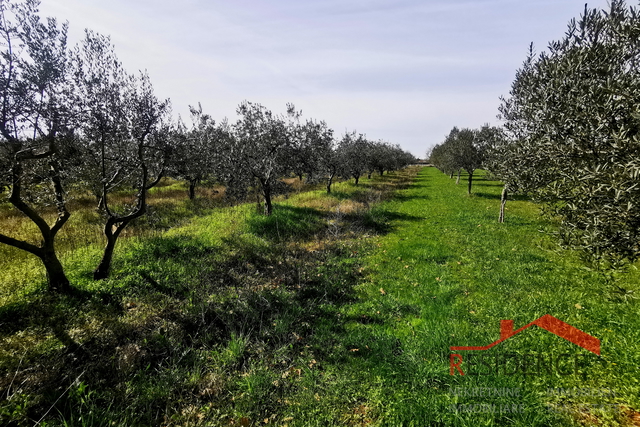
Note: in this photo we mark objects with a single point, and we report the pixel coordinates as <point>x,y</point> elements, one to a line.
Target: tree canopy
<point>573,119</point>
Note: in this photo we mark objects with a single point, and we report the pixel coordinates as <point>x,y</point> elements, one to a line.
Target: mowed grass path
<point>445,275</point>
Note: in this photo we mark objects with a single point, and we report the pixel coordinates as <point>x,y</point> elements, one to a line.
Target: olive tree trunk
<point>112,230</point>
<point>56,278</point>
<point>503,202</point>
<point>266,193</point>
<point>115,224</point>
<point>192,188</point>
<point>329,182</point>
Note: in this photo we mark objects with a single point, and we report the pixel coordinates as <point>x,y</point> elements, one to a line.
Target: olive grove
<point>74,122</point>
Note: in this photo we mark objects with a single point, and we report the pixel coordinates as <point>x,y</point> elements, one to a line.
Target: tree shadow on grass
<point>149,345</point>
<point>406,197</point>
<point>493,196</point>
<point>42,309</point>
<point>381,221</point>
<point>165,264</point>
<point>340,195</point>
<point>296,224</point>
<point>287,222</point>
<point>173,299</point>
<point>483,182</point>
<point>181,247</point>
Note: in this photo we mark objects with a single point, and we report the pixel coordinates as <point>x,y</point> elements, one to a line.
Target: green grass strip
<point>445,275</point>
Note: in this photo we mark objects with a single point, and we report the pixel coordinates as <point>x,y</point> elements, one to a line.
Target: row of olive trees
<point>261,148</point>
<point>72,120</point>
<point>571,134</point>
<point>573,124</point>
<point>465,149</point>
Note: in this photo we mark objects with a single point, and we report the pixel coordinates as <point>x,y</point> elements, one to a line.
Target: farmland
<point>338,309</point>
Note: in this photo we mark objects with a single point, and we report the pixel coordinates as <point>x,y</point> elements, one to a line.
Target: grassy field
<point>337,310</point>
<point>445,276</point>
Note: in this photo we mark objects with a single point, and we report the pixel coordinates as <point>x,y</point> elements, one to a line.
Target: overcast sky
<point>404,71</point>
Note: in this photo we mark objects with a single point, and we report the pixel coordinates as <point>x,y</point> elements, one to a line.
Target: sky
<point>403,71</point>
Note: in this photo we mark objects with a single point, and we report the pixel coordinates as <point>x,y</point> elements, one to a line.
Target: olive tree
<point>330,164</point>
<point>195,153</point>
<point>36,127</point>
<point>444,157</point>
<point>257,150</point>
<point>313,152</point>
<point>467,154</point>
<point>124,136</point>
<point>508,161</point>
<point>461,149</point>
<point>574,110</point>
<point>353,151</point>
<point>380,157</point>
<point>388,157</point>
<point>310,144</point>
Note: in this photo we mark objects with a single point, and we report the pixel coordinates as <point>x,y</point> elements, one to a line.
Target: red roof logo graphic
<point>551,324</point>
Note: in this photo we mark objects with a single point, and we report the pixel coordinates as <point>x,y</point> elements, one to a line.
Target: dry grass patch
<point>351,207</point>
<point>323,204</point>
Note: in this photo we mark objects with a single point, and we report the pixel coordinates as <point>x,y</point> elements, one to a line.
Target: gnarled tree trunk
<point>268,207</point>
<point>329,182</point>
<point>266,193</point>
<point>115,224</point>
<point>112,230</point>
<point>56,278</point>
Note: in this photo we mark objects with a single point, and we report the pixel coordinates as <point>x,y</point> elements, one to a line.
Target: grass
<point>187,319</point>
<point>445,276</point>
<point>82,237</point>
<point>337,310</point>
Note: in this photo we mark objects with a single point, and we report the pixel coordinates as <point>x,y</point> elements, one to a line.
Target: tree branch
<point>156,181</point>
<point>63,213</point>
<point>16,200</point>
<point>20,244</point>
